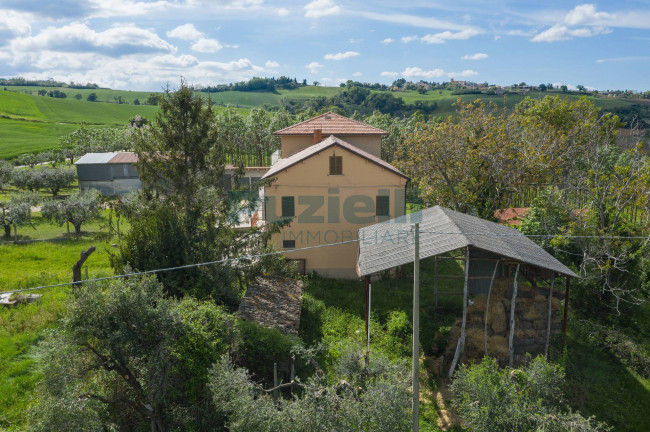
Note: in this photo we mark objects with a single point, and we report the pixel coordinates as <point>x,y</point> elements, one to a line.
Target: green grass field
<point>18,137</point>
<point>23,327</point>
<point>52,118</point>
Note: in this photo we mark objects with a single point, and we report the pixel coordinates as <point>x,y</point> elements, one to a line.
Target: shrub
<point>129,358</point>
<point>261,347</point>
<point>374,399</point>
<point>398,337</point>
<point>311,319</point>
<point>491,399</point>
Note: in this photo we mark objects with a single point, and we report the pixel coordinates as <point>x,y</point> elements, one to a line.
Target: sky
<point>148,45</point>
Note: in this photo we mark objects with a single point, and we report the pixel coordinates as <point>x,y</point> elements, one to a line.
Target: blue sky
<point>143,45</point>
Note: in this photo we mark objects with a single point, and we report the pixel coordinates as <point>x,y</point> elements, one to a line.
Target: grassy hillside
<point>31,124</point>
<point>50,118</point>
<point>18,136</point>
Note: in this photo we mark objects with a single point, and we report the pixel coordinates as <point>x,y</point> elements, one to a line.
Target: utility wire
<point>540,235</point>
<point>226,260</point>
<point>186,266</point>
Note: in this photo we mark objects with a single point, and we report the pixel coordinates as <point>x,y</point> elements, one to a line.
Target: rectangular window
<point>336,165</point>
<point>288,207</point>
<point>289,244</point>
<point>383,206</point>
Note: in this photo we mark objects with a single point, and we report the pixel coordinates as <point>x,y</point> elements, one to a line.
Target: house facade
<point>330,182</point>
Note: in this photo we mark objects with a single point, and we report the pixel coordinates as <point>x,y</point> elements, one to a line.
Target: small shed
<point>115,173</point>
<point>502,268</point>
<point>111,173</point>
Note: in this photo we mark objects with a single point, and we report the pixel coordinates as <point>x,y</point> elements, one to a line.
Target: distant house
<point>109,173</point>
<point>116,174</point>
<point>330,182</point>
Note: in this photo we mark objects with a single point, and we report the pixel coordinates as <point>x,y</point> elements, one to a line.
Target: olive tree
<point>6,170</point>
<point>491,399</point>
<point>126,357</point>
<point>356,398</point>
<point>55,179</point>
<point>27,179</point>
<point>76,209</point>
<point>17,211</point>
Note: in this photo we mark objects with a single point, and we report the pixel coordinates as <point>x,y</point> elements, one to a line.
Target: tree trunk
<point>8,231</point>
<point>77,229</point>
<point>76,268</point>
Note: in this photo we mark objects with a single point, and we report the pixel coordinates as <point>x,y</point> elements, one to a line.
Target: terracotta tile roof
<point>124,157</point>
<point>511,216</point>
<point>331,124</point>
<point>283,164</point>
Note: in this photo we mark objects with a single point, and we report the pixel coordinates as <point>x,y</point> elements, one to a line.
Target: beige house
<point>330,182</point>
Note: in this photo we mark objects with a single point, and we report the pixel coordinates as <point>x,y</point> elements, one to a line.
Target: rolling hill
<point>33,123</point>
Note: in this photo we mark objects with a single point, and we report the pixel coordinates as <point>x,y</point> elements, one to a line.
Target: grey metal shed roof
<point>389,244</point>
<point>95,158</point>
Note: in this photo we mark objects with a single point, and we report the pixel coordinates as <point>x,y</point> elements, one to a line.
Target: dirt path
<point>446,417</point>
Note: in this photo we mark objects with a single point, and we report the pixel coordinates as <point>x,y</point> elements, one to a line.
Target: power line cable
<point>182,267</point>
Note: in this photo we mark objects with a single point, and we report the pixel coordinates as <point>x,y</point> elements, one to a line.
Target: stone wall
<point>273,302</point>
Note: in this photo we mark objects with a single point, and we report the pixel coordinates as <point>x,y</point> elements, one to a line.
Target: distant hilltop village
<point>273,84</point>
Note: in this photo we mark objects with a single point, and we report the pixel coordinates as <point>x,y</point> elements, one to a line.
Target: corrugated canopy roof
<point>331,124</point>
<point>283,164</point>
<point>110,157</point>
<point>389,244</point>
<point>95,158</point>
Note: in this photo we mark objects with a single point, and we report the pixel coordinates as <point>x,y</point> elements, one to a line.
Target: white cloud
<point>389,74</point>
<point>271,64</point>
<point>416,72</point>
<point>225,4</point>
<point>560,32</point>
<point>477,56</point>
<point>439,38</point>
<point>335,81</point>
<point>622,59</point>
<point>17,23</point>
<point>341,55</point>
<point>388,41</point>
<point>121,8</point>
<point>357,74</point>
<point>464,74</point>
<point>321,8</point>
<point>313,67</point>
<point>282,11</point>
<point>593,23</point>
<point>407,39</point>
<point>412,20</point>
<point>76,37</point>
<point>146,74</point>
<point>586,14</point>
<point>519,32</point>
<point>205,45</point>
<point>185,32</point>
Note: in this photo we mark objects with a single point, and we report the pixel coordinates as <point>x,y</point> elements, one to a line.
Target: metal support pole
<point>566,312</point>
<point>275,379</point>
<point>550,311</point>
<point>460,346</point>
<point>416,331</point>
<point>487,306</point>
<point>513,305</point>
<point>435,282</point>
<point>368,320</point>
<point>367,317</point>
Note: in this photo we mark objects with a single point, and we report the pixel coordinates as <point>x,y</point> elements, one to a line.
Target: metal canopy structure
<point>391,243</point>
<point>437,231</point>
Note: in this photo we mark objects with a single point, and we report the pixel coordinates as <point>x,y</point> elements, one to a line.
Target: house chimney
<point>318,136</point>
